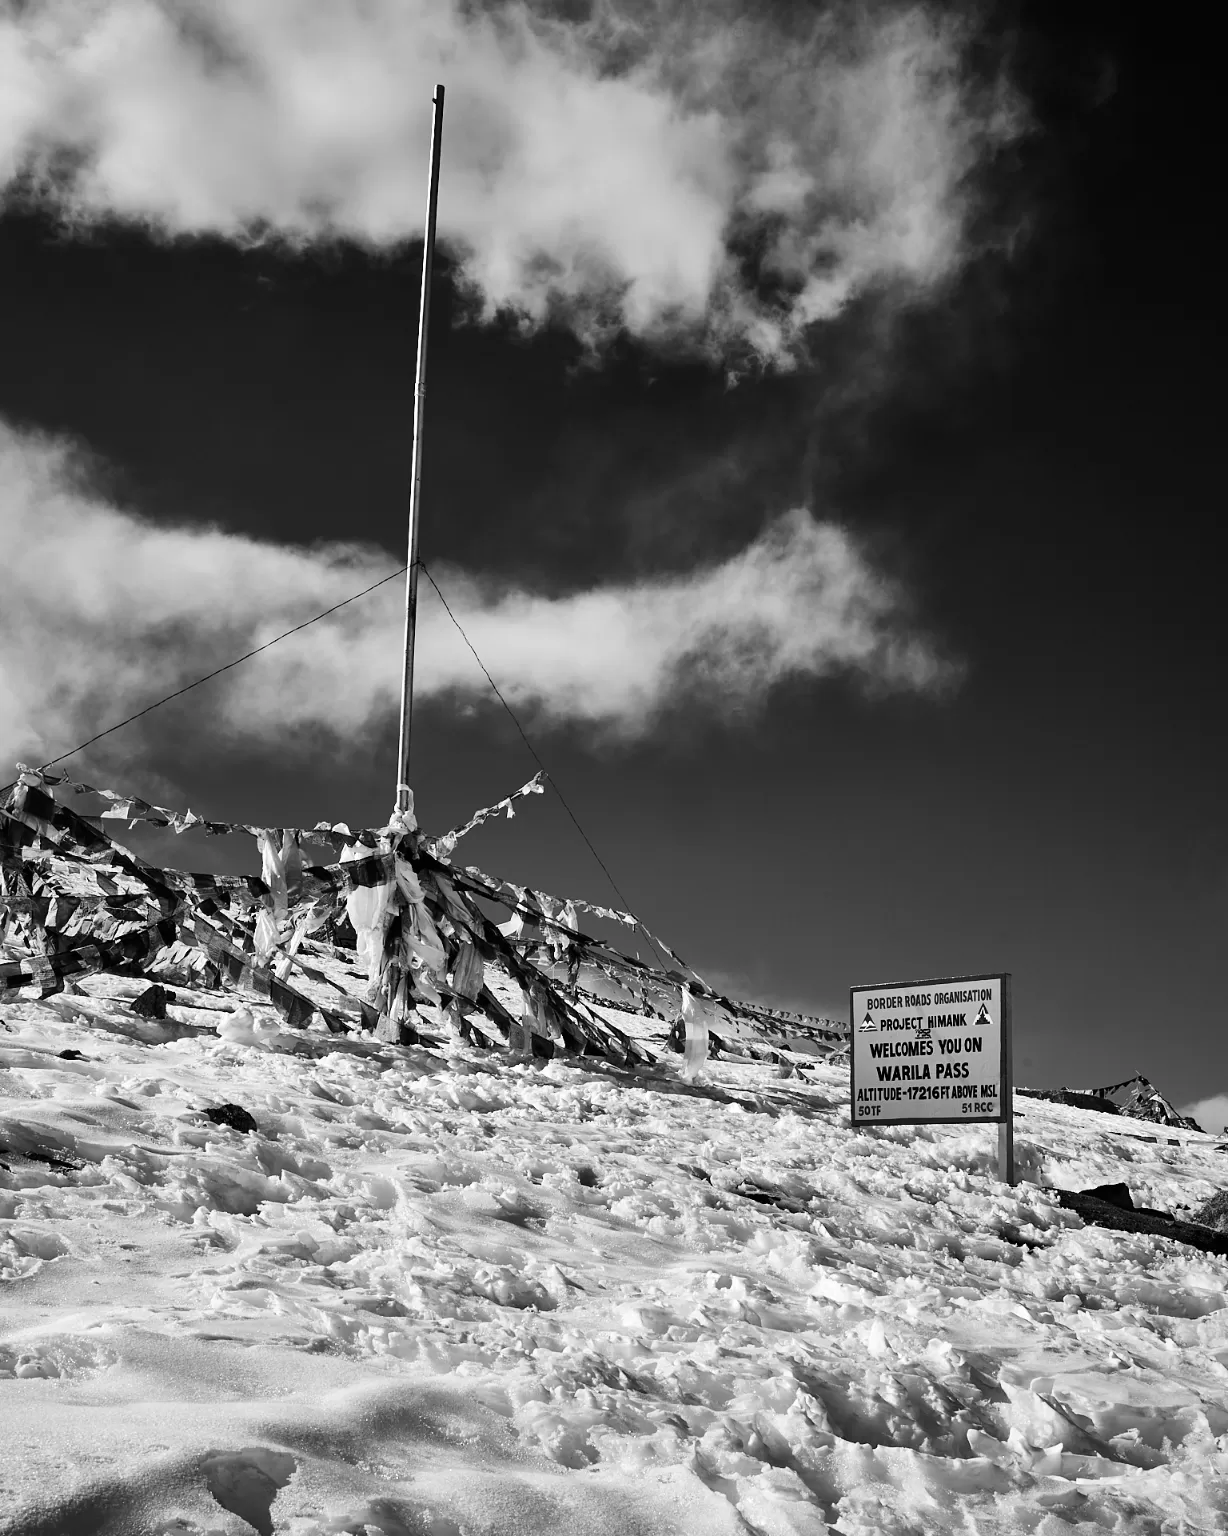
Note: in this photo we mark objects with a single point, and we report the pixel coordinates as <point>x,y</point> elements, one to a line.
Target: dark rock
<point>1115,1194</point>
<point>763,1194</point>
<point>62,1162</point>
<point>1074,1099</point>
<point>151,1004</point>
<point>233,1115</point>
<point>1214,1213</point>
<point>1101,1213</point>
<point>1120,1196</point>
<point>71,1056</point>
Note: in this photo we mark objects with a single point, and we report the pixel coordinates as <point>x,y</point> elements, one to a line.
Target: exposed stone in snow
<point>151,1004</point>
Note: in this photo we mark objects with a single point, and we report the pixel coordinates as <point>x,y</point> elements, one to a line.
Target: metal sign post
<point>415,484</point>
<point>1006,1127</point>
<point>935,1052</point>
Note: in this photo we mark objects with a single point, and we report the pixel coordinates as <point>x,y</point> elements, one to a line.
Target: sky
<point>818,455</point>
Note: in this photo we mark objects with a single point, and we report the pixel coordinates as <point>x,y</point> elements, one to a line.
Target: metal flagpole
<point>415,484</point>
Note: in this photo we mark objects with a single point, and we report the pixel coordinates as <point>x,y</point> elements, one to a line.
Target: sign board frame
<point>1004,1119</point>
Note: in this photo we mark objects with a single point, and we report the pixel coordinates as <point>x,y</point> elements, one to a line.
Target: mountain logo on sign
<point>983,1016</point>
<point>868,1025</point>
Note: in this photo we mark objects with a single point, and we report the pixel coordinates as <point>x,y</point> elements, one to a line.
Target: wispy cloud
<point>102,612</point>
<point>688,171</point>
<point>1211,1113</point>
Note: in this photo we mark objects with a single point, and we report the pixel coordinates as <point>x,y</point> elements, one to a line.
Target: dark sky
<point>1034,460</point>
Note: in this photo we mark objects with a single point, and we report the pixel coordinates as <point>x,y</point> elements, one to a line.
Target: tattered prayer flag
<point>468,971</point>
<point>422,931</point>
<point>695,1050</point>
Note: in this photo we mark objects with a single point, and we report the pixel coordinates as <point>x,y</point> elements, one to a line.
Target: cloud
<point>1211,1113</point>
<point>103,612</point>
<point>686,171</point>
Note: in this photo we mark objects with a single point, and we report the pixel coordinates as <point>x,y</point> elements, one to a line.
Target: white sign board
<point>931,1051</point>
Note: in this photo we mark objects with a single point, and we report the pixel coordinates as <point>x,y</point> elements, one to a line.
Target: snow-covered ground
<point>455,1293</point>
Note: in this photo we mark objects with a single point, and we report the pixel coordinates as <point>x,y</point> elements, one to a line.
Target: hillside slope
<point>454,1292</point>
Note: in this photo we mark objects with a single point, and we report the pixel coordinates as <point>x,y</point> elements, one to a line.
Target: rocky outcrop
<point>1143,1101</point>
<point>1215,1213</point>
<point>1111,1205</point>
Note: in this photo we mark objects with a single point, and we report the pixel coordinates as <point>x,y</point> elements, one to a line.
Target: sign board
<point>934,1052</point>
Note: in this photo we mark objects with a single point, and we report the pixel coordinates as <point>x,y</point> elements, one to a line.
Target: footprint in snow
<point>58,1356</point>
